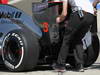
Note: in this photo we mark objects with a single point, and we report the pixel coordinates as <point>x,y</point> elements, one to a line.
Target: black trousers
<point>76,29</point>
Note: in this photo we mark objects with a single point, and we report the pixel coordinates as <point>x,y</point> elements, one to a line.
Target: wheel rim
<point>12,51</point>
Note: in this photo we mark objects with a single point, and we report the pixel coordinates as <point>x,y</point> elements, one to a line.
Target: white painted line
<point>14,1</point>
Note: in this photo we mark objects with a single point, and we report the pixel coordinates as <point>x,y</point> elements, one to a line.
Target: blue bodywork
<point>9,14</point>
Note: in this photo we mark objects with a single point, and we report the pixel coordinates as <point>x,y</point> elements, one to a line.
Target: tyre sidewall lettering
<point>7,63</point>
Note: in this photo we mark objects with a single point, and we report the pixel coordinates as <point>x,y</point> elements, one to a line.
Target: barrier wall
<point>98,22</point>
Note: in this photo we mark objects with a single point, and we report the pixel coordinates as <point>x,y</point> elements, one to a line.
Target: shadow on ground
<point>3,69</point>
<point>95,66</point>
<point>46,68</point>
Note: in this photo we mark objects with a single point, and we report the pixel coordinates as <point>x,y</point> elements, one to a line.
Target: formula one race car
<point>26,41</point>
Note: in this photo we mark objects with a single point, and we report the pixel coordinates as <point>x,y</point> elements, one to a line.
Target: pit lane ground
<point>47,70</point>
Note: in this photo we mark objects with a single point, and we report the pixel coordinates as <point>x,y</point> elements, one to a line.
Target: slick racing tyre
<point>20,50</point>
<point>90,54</point>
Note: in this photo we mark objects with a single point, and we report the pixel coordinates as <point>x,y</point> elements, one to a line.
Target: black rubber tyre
<point>20,50</point>
<point>90,55</point>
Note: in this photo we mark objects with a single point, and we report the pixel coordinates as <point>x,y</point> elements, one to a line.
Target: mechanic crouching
<point>81,18</point>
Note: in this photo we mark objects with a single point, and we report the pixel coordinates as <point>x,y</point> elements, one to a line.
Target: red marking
<point>5,52</point>
<point>3,1</point>
<point>19,51</point>
<point>45,25</point>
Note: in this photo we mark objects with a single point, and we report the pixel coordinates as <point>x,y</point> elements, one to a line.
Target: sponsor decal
<point>10,15</point>
<point>15,14</point>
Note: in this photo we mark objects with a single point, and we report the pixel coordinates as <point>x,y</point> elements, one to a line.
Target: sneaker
<point>80,68</point>
<point>59,67</point>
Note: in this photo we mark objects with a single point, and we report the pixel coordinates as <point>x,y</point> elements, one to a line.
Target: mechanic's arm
<point>64,12</point>
<point>95,3</point>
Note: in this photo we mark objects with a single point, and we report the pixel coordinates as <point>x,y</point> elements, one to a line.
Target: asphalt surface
<point>47,70</point>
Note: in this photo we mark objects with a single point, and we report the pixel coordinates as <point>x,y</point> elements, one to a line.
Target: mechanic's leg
<point>65,45</point>
<point>80,57</point>
<point>60,65</point>
<point>84,26</point>
<point>69,30</point>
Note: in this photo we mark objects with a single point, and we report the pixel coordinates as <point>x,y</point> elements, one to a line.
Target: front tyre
<point>20,50</point>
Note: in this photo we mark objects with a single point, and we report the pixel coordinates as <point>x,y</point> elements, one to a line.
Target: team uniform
<point>78,23</point>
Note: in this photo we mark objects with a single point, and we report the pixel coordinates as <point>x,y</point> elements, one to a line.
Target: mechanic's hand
<point>60,18</point>
<point>95,12</point>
